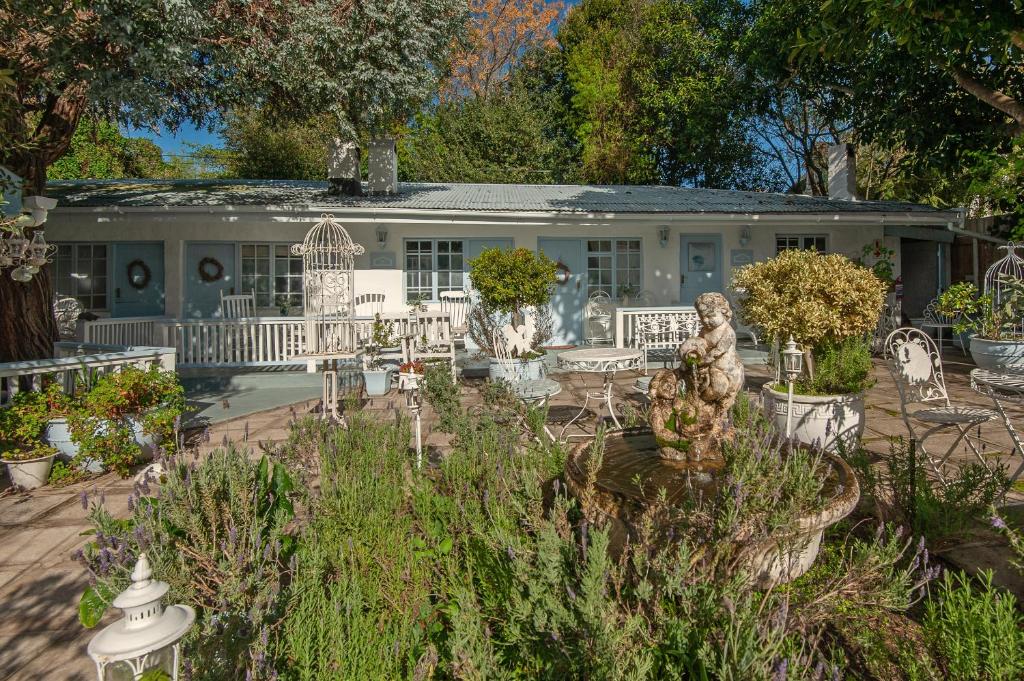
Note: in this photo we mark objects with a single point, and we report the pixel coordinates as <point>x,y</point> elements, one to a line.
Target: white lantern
<point>792,361</point>
<point>147,639</point>
<point>38,250</point>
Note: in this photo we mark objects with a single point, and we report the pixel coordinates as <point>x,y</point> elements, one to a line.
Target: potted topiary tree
<point>509,284</point>
<point>829,305</point>
<point>994,328</point>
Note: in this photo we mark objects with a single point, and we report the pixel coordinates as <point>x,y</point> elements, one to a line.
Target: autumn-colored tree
<point>499,33</point>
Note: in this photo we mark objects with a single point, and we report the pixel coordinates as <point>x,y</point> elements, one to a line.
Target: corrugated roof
<point>458,197</point>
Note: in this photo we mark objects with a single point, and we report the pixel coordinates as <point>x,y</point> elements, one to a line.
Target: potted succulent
<point>829,305</point>
<point>377,373</point>
<point>510,283</point>
<point>994,327</point>
<point>124,415</point>
<point>22,424</point>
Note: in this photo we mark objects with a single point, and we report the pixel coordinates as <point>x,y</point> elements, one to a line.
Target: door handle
<point>682,278</point>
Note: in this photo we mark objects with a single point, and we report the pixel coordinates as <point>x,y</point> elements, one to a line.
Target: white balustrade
<point>74,361</point>
<point>125,331</point>
<point>683,318</point>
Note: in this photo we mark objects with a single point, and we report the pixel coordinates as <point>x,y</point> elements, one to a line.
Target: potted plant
<point>829,305</point>
<point>510,283</point>
<point>58,405</point>
<point>22,424</point>
<point>994,328</point>
<point>125,415</point>
<point>377,373</point>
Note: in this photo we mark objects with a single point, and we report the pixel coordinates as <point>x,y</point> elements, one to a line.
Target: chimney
<point>382,164</point>
<point>343,168</point>
<point>842,172</point>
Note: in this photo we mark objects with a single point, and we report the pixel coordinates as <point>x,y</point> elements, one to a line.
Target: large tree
<point>366,63</point>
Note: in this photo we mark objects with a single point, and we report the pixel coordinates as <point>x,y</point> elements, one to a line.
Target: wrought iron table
<point>1003,386</point>
<point>607,361</point>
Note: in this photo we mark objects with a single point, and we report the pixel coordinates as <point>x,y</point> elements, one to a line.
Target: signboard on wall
<point>738,257</point>
<point>383,260</point>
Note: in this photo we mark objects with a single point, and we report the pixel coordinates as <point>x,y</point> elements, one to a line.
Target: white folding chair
<point>916,367</point>
<point>530,391</point>
<point>238,306</point>
<point>433,339</point>
<point>369,304</point>
<point>598,318</point>
<point>456,305</point>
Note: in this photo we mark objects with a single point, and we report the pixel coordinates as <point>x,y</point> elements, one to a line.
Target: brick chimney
<point>382,172</point>
<point>842,172</point>
<point>343,168</point>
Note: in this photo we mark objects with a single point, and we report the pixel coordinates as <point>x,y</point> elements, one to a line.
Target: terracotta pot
<point>826,421</point>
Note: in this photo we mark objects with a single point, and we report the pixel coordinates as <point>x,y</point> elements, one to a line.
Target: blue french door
<point>138,280</point>
<point>203,288</point>
<point>700,266</point>
<point>569,297</point>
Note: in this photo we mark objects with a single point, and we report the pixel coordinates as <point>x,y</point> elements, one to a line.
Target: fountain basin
<point>632,473</point>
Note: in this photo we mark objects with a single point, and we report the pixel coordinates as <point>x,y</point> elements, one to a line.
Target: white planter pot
<point>58,436</point>
<point>30,474</point>
<point>997,354</point>
<point>377,382</point>
<point>828,421</point>
<point>529,370</point>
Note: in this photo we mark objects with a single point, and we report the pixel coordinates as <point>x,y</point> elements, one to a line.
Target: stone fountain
<point>681,454</point>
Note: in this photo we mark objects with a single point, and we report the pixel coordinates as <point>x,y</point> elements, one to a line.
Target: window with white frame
<point>80,271</point>
<point>272,272</point>
<point>799,242</point>
<point>614,266</point>
<point>433,266</point>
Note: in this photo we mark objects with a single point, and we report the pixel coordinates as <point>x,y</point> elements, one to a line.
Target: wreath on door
<point>562,273</point>
<point>211,270</point>
<point>139,274</point>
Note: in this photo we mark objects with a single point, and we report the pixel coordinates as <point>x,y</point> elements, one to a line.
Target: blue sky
<point>175,144</point>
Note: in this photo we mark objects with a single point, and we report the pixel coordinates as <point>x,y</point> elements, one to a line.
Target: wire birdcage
<point>1002,275</point>
<point>328,264</point>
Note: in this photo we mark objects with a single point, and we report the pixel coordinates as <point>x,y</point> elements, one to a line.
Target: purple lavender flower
<point>84,496</point>
<point>998,523</point>
<point>131,503</point>
<point>232,535</point>
<point>781,670</point>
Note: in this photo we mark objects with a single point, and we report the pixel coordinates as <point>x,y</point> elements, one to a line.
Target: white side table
<point>606,361</point>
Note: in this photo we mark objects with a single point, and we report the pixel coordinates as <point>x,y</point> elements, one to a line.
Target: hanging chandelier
<point>19,252</point>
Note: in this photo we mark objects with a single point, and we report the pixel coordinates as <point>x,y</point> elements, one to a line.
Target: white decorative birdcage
<point>328,265</point>
<point>1003,274</point>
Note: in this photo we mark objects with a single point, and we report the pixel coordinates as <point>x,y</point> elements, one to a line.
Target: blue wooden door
<point>570,297</point>
<point>138,280</point>
<point>700,266</point>
<point>202,290</point>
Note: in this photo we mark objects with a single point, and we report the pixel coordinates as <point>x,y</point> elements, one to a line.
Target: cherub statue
<point>690,427</point>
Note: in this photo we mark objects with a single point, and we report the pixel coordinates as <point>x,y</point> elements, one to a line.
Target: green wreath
<point>138,279</point>
<point>206,275</point>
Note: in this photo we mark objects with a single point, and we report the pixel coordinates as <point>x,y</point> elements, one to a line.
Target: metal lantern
<point>328,265</point>
<point>17,251</point>
<point>1001,275</point>
<point>147,640</point>
<point>792,361</point>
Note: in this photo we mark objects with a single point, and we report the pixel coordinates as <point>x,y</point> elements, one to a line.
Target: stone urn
<point>826,421</point>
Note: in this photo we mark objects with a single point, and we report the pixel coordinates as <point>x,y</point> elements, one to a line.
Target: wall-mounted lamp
<point>663,235</point>
<point>382,236</point>
<point>744,235</point>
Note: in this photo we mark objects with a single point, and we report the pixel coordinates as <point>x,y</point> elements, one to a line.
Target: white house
<point>150,247</point>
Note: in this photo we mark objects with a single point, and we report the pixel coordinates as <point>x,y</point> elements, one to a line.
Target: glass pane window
<point>255,263</point>
<point>287,277</point>
<point>804,242</point>
<point>419,269</point>
<point>272,272</point>
<point>614,266</point>
<point>433,266</point>
<point>449,266</point>
<point>80,271</point>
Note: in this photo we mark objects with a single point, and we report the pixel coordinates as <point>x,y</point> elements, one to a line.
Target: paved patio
<point>39,585</point>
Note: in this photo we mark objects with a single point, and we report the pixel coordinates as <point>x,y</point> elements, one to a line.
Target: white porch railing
<point>626,319</point>
<point>76,360</point>
<point>121,330</point>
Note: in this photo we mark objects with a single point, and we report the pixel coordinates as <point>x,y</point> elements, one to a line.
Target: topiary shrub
<point>822,301</point>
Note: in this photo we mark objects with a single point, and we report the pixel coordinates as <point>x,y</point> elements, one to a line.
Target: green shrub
<point>840,368</point>
<point>976,629</point>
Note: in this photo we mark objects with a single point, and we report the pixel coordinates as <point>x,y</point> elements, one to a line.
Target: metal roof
<point>571,199</point>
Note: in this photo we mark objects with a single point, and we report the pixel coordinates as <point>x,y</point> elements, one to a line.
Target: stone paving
<point>40,637</point>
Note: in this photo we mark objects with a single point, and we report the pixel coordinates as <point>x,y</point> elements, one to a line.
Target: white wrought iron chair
<point>456,305</point>
<point>238,306</point>
<point>933,319</point>
<point>598,319</point>
<point>369,304</point>
<point>916,367</point>
<point>888,322</point>
<point>66,311</point>
<point>531,391</point>
<point>432,340</point>
<point>661,334</point>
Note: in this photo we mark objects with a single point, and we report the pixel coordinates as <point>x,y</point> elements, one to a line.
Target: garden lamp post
<point>146,642</point>
<point>792,366</point>
<point>413,400</point>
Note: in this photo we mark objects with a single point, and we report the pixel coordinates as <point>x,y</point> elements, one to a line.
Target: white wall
<point>176,227</point>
